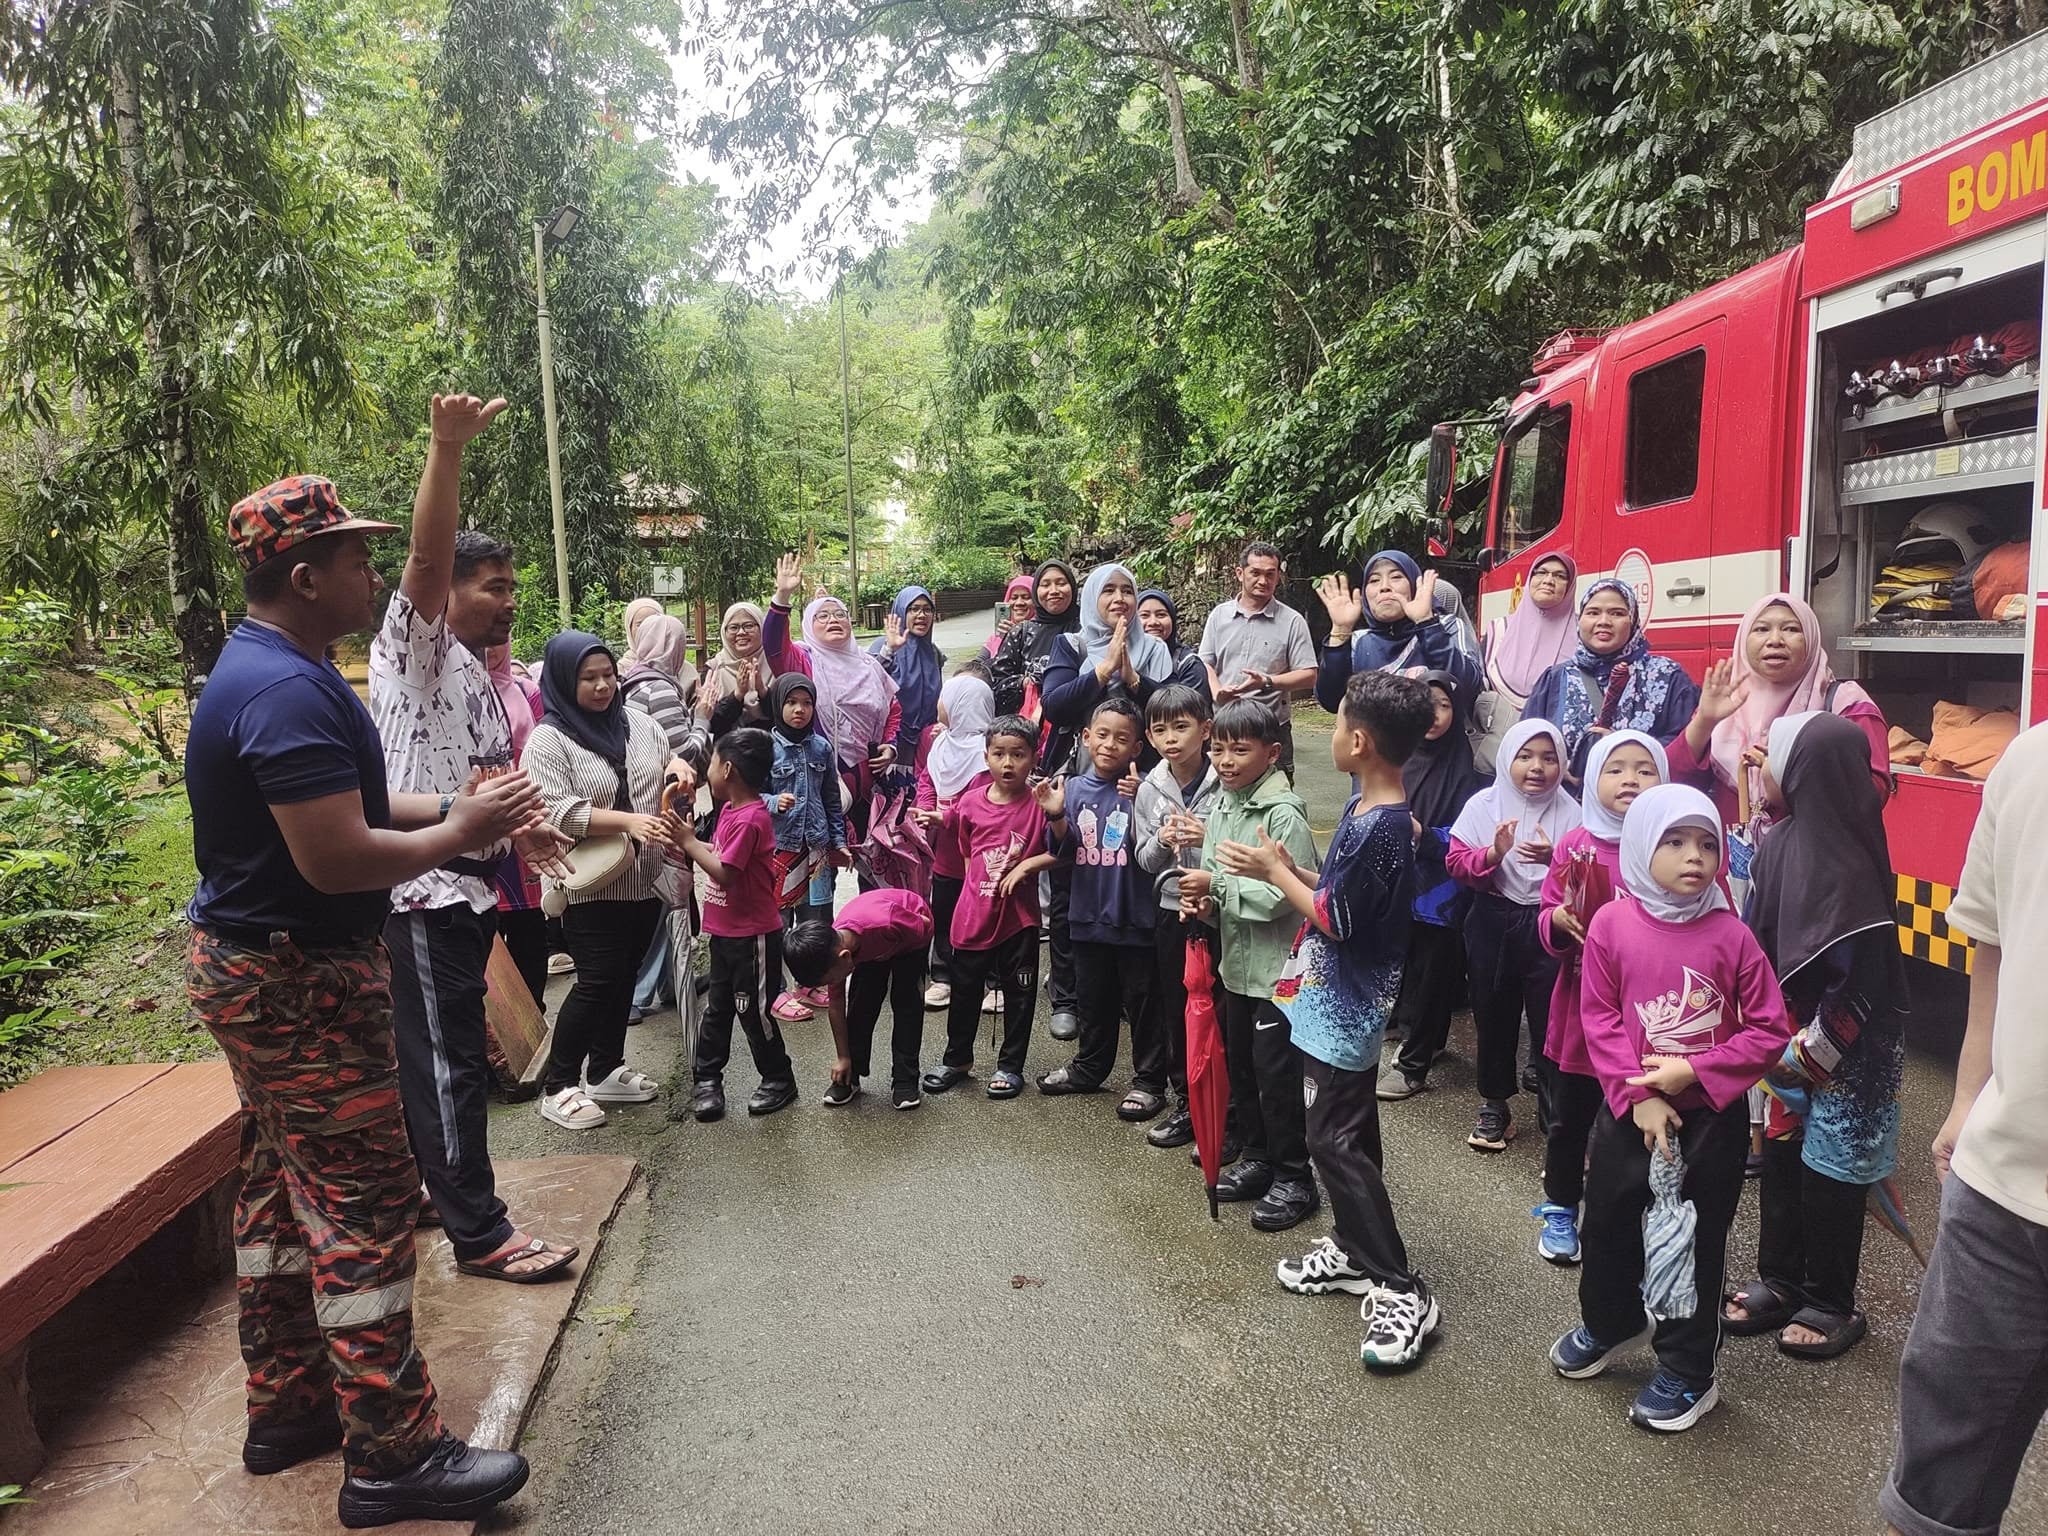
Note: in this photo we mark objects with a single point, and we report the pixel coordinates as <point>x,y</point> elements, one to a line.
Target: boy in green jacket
<point>1258,927</point>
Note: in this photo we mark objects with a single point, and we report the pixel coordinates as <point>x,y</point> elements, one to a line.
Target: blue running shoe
<point>1559,1242</point>
<point>1669,1405</point>
<point>1579,1355</point>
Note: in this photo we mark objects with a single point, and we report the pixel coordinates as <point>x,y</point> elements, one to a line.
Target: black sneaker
<point>1495,1127</point>
<point>838,1094</point>
<point>274,1447</point>
<point>1176,1130</point>
<point>1286,1204</point>
<point>770,1097</point>
<point>1066,1025</point>
<point>707,1101</point>
<point>1244,1181</point>
<point>1231,1152</point>
<point>905,1095</point>
<point>1397,1085</point>
<point>1396,1323</point>
<point>454,1481</point>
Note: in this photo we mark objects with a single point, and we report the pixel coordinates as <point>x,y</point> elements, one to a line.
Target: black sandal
<point>1839,1332</point>
<point>1762,1318</point>
<point>945,1079</point>
<point>1140,1104</point>
<point>1005,1085</point>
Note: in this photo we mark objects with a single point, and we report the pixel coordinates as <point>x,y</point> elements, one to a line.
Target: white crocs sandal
<point>624,1086</point>
<point>571,1109</point>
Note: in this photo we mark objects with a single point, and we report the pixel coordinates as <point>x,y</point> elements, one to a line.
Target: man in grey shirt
<point>1257,647</point>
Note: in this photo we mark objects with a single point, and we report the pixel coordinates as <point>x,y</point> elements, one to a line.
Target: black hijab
<point>603,733</point>
<point>1825,872</point>
<point>1158,595</point>
<point>1439,775</point>
<point>785,685</point>
<point>1041,631</point>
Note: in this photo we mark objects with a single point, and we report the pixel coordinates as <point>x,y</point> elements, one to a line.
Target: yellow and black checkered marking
<point>1923,925</point>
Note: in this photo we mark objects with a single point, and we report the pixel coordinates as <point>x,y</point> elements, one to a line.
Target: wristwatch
<point>447,802</point>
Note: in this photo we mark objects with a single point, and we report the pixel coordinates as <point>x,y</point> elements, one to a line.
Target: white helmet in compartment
<point>1939,544</point>
<point>1958,525</point>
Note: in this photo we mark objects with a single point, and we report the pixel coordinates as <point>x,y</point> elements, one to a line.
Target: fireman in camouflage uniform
<point>298,844</point>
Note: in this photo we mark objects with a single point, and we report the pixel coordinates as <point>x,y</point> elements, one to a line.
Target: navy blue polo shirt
<point>276,727</point>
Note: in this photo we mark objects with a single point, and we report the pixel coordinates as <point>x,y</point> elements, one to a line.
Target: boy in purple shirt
<point>875,948</point>
<point>997,830</point>
<point>744,925</point>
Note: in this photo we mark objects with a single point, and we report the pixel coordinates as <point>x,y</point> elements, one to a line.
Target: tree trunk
<point>1251,74</point>
<point>195,603</point>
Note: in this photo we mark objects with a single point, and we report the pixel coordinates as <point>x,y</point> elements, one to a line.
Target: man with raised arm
<point>298,844</point>
<point>442,722</point>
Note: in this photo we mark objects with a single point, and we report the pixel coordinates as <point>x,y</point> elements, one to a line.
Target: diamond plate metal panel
<point>1977,456</point>
<point>1981,94</point>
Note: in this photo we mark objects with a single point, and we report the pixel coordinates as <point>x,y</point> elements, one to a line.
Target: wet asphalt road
<point>1019,1317</point>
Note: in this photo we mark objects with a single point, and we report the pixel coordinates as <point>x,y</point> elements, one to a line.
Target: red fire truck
<point>1784,428</point>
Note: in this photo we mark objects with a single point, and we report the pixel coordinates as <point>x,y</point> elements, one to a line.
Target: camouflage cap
<point>286,513</point>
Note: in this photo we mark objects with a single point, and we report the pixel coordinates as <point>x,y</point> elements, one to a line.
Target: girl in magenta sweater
<point>1680,1013</point>
<point>1620,767</point>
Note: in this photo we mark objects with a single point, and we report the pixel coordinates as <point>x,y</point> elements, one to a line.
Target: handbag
<point>593,863</point>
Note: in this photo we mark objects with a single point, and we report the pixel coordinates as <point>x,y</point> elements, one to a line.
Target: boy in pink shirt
<point>995,834</point>
<point>875,948</point>
<point>1681,1014</point>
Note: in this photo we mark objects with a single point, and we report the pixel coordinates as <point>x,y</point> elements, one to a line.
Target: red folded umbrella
<point>1208,1078</point>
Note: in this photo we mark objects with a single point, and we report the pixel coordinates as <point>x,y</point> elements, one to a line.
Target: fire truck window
<point>1664,430</point>
<point>1536,481</point>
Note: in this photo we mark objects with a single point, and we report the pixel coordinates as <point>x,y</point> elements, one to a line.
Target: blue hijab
<point>919,667</point>
<point>1398,629</point>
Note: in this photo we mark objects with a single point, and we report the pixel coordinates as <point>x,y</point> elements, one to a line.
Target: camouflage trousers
<point>324,1225</point>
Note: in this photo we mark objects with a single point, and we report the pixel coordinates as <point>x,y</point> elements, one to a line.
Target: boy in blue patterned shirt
<point>1337,989</point>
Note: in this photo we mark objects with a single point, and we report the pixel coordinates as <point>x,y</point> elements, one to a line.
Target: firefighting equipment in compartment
<point>1919,580</point>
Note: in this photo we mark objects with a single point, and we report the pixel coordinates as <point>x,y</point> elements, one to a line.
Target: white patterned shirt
<point>440,718</point>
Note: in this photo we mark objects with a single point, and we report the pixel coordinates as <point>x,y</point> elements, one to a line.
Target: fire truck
<point>1783,429</point>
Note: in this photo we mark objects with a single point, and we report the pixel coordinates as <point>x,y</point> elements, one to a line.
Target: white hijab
<point>1655,813</point>
<point>1598,820</point>
<point>1783,732</point>
<point>1555,812</point>
<point>960,746</point>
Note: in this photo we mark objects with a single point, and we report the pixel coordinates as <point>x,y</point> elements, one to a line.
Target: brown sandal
<point>498,1266</point>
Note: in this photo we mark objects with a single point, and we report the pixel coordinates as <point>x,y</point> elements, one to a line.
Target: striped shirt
<point>571,779</point>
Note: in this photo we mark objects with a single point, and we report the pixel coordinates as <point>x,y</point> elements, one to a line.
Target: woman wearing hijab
<point>1021,660</point>
<point>917,666</point>
<point>521,923</point>
<point>598,766</point>
<point>660,681</point>
<point>1779,669</point>
<point>740,669</point>
<point>1656,697</point>
<point>1410,621</point>
<point>1821,906</point>
<point>952,755</point>
<point>1111,656</point>
<point>637,612</point>
<point>1440,778</point>
<point>1018,605</point>
<point>857,707</point>
<point>1522,645</point>
<point>1160,619</point>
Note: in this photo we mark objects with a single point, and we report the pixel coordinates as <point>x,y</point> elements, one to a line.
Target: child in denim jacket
<point>810,825</point>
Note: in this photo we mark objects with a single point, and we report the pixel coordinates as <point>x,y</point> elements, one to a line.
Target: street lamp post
<point>547,234</point>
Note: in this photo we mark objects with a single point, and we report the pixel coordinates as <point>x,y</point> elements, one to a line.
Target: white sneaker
<point>624,1086</point>
<point>1396,1323</point>
<point>571,1109</point>
<point>937,995</point>
<point>1324,1268</point>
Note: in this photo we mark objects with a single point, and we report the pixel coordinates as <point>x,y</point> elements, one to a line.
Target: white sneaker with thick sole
<point>1324,1268</point>
<point>938,995</point>
<point>624,1086</point>
<point>1396,1323</point>
<point>571,1109</point>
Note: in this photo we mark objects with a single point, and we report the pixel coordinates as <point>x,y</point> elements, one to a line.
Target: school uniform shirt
<point>2003,900</point>
<point>1702,990</point>
<point>1340,983</point>
<point>1566,1042</point>
<point>745,844</point>
<point>887,923</point>
<point>987,841</point>
<point>1112,901</point>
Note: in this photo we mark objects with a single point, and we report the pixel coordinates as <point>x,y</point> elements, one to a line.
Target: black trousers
<point>744,974</point>
<point>1013,966</point>
<point>1063,989</point>
<point>525,932</point>
<point>1265,1086</point>
<point>1575,1103</point>
<point>1810,1234</point>
<point>945,897</point>
<point>1715,1145</point>
<point>444,1070</point>
<point>901,981</point>
<point>1115,983</point>
<point>608,940</point>
<point>1344,1141</point>
<point>1512,974</point>
<point>1170,945</point>
<point>1430,979</point>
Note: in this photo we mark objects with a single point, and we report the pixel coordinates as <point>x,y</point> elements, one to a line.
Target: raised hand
<point>1534,849</point>
<point>1051,795</point>
<point>1720,697</point>
<point>1261,862</point>
<point>490,810</point>
<point>1423,604</point>
<point>1503,840</point>
<point>1127,786</point>
<point>545,849</point>
<point>789,577</point>
<point>458,418</point>
<point>1342,601</point>
<point>894,635</point>
<point>1182,829</point>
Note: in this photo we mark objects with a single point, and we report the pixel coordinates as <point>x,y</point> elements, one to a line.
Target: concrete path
<point>1019,1318</point>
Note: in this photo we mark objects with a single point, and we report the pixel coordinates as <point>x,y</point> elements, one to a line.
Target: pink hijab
<point>1017,584</point>
<point>1525,644</point>
<point>854,689</point>
<point>1750,725</point>
<point>517,692</point>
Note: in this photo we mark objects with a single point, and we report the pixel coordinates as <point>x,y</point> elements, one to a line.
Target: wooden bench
<point>94,1161</point>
